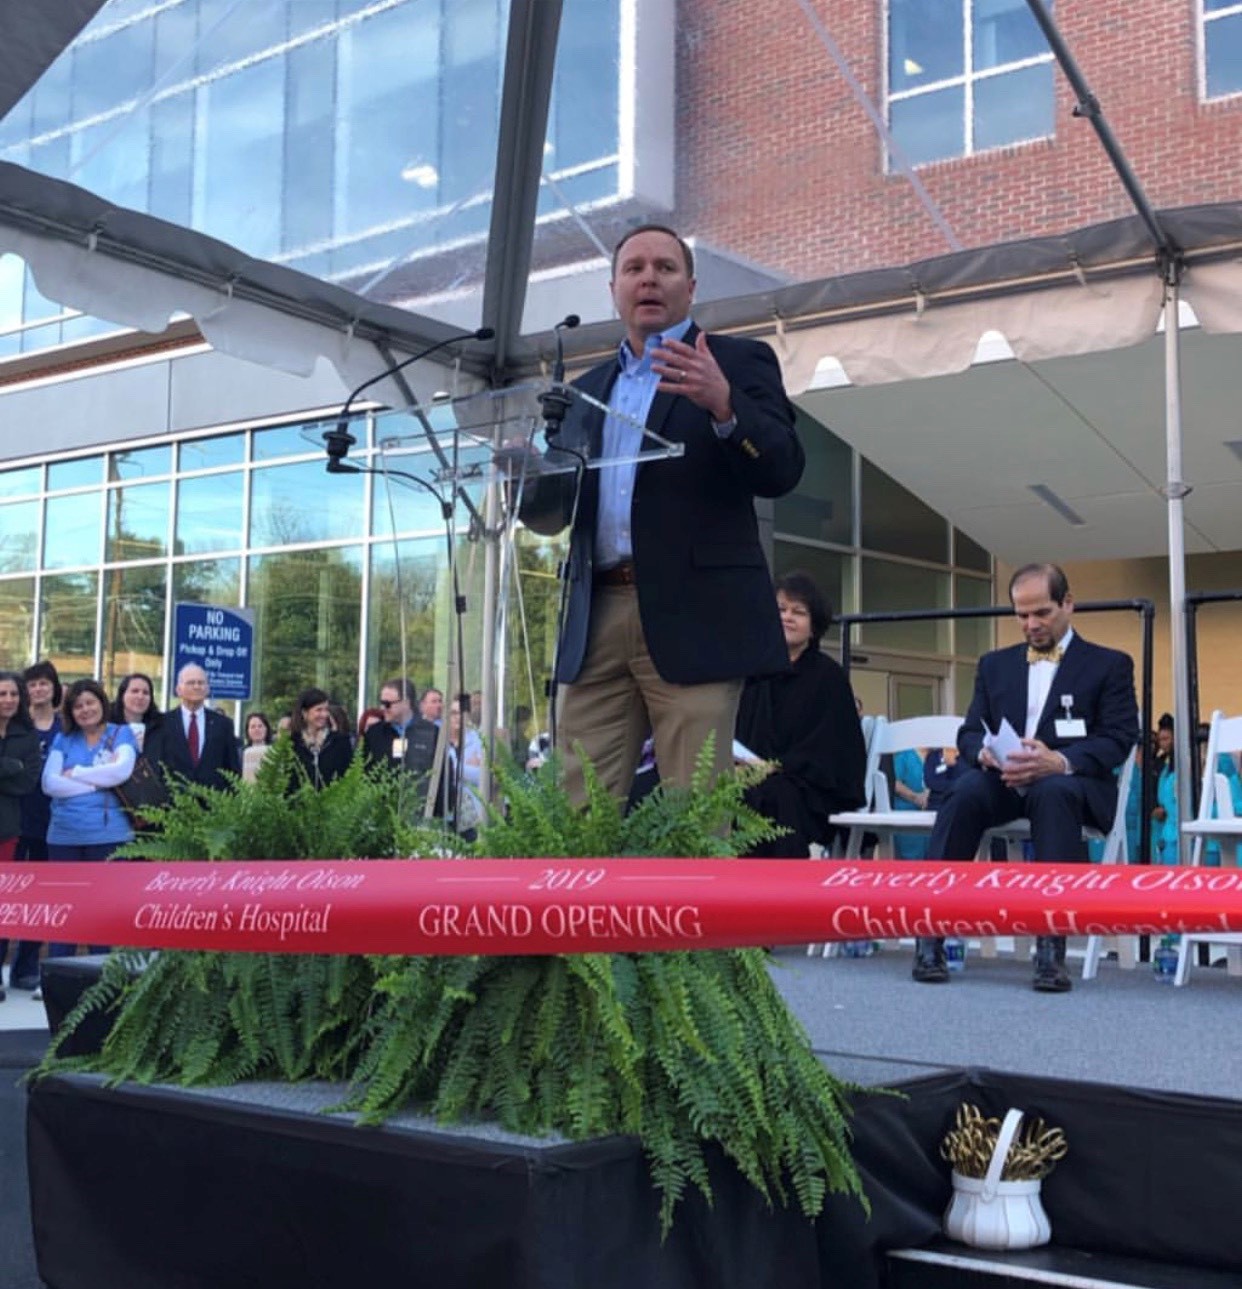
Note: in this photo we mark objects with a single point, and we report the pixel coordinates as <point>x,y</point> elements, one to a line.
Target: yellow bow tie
<point>1053,654</point>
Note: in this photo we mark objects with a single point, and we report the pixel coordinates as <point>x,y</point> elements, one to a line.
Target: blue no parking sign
<point>220,640</point>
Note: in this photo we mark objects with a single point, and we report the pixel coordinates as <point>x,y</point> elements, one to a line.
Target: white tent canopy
<point>884,358</point>
<point>140,272</point>
<point>1038,366</point>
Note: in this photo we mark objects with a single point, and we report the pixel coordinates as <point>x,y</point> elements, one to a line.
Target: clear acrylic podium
<point>468,440</point>
<point>470,459</point>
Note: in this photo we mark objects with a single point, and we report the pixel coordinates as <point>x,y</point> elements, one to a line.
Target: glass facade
<point>90,572</point>
<point>965,76</point>
<point>362,135</point>
<point>874,547</point>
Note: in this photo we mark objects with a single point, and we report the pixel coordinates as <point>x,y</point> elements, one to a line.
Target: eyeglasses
<point>388,702</point>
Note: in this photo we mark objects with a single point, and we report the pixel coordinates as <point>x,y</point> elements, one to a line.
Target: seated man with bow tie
<point>1074,704</point>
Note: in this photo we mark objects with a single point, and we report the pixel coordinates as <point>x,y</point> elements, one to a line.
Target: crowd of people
<point>1157,761</point>
<point>65,752</point>
<point>69,754</point>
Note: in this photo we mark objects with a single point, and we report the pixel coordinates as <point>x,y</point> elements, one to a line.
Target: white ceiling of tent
<point>1089,428</point>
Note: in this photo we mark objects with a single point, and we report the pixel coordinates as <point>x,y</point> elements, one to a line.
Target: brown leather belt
<point>618,575</point>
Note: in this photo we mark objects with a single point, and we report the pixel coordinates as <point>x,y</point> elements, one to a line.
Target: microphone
<point>337,442</point>
<point>556,402</point>
<point>567,323</point>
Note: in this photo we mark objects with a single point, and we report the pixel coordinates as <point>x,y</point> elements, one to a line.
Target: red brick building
<point>781,163</point>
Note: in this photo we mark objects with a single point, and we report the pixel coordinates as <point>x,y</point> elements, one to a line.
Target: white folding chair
<point>1215,819</point>
<point>1116,851</point>
<point>871,726</point>
<point>878,816</point>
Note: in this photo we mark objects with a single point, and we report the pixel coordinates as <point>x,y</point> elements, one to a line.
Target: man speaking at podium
<point>670,602</point>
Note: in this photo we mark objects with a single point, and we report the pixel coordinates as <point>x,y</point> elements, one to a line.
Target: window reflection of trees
<point>17,599</point>
<point>133,623</point>
<point>67,623</point>
<point>418,585</point>
<point>307,624</point>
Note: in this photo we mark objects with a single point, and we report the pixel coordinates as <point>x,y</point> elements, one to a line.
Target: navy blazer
<point>166,748</point>
<point>705,594</point>
<point>1100,682</point>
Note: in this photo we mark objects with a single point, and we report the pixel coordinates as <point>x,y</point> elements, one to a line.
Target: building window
<point>965,76</point>
<point>1222,48</point>
<point>97,550</point>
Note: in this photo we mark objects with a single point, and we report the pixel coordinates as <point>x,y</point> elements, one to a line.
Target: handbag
<point>144,788</point>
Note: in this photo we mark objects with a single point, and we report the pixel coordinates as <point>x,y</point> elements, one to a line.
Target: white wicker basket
<point>991,1214</point>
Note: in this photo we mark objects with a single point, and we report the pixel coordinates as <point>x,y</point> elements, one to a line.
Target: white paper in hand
<point>1004,743</point>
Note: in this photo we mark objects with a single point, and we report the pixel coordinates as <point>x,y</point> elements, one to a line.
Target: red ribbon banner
<point>528,906</point>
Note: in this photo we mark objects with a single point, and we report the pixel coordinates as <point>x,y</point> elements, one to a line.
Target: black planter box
<point>158,1188</point>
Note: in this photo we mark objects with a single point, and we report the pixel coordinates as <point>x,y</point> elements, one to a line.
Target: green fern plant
<point>680,1048</point>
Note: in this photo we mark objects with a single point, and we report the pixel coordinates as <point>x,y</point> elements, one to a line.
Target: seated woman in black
<point>804,719</point>
<point>323,753</point>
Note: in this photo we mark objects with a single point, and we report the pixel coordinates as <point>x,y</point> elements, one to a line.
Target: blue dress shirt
<point>633,392</point>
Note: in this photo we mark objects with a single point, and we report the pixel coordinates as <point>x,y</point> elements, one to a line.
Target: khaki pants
<point>619,698</point>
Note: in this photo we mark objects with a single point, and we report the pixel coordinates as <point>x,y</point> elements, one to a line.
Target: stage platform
<point>873,1025</point>
<point>1106,1061</point>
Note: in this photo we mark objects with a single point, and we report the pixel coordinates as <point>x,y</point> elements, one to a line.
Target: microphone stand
<point>556,402</point>
<point>337,443</point>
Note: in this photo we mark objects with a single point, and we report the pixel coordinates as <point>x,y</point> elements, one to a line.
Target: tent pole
<point>1171,261</point>
<point>1174,492</point>
<point>492,551</point>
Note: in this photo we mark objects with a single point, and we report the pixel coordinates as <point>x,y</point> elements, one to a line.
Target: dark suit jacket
<point>705,596</point>
<point>167,749</point>
<point>420,745</point>
<point>420,751</point>
<point>1101,683</point>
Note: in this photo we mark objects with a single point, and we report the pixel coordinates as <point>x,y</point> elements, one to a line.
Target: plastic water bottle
<point>1164,960</point>
<point>955,953</point>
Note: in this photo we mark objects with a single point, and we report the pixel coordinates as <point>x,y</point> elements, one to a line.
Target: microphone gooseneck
<point>338,441</point>
<point>556,400</point>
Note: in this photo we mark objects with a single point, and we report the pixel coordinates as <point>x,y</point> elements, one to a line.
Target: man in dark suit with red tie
<point>194,742</point>
<point>670,602</point>
<point>1072,703</point>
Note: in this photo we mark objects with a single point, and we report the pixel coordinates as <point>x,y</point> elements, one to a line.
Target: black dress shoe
<point>930,965</point>
<point>25,982</point>
<point>1050,974</point>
